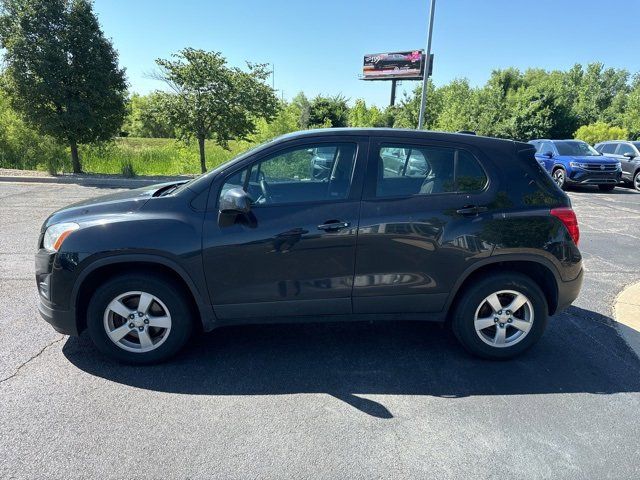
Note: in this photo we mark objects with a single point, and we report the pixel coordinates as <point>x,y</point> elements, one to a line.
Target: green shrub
<point>599,132</point>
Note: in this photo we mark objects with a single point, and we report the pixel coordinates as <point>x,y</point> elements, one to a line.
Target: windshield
<point>576,149</point>
<point>637,145</point>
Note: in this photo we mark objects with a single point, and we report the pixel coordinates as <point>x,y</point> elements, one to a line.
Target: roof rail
<point>467,132</point>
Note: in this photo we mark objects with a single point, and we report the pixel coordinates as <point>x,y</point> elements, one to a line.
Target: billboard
<point>396,65</point>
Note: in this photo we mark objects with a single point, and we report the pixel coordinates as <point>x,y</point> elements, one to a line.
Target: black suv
<point>482,238</point>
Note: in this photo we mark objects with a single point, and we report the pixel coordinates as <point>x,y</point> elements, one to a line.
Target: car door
<point>543,157</point>
<point>628,165</point>
<point>294,252</point>
<point>413,238</point>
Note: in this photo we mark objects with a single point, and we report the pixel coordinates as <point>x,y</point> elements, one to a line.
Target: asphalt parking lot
<point>357,400</point>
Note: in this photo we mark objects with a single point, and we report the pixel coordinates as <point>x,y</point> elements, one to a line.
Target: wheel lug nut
<point>139,314</point>
<point>495,320</point>
<point>131,325</point>
<point>510,320</point>
<point>146,320</point>
<point>500,312</point>
<point>140,328</point>
<point>132,316</point>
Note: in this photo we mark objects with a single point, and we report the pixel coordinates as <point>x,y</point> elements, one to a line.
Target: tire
<point>560,177</point>
<point>606,187</point>
<point>166,322</point>
<point>636,181</point>
<point>513,340</point>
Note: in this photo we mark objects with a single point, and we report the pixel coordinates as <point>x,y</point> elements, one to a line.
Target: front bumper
<point>585,177</point>
<point>53,284</point>
<point>63,321</point>
<point>568,292</point>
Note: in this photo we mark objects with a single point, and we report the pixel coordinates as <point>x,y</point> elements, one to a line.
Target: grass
<point>152,156</point>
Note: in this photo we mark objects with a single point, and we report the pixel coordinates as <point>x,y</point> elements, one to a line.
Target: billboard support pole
<point>425,79</point>
<point>393,92</point>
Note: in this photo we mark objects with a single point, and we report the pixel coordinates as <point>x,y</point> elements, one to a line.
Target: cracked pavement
<point>358,400</point>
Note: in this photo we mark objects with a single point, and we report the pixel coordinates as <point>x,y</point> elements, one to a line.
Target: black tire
<point>473,297</point>
<point>606,187</point>
<point>560,178</point>
<point>636,181</point>
<point>174,300</point>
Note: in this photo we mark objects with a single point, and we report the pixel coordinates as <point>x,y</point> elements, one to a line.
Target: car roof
<point>478,140</point>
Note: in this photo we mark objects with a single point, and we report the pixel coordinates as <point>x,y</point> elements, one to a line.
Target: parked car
<point>404,161</point>
<point>576,162</point>
<point>628,154</point>
<point>482,239</point>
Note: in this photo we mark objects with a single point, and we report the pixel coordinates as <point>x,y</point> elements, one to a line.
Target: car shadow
<point>580,352</point>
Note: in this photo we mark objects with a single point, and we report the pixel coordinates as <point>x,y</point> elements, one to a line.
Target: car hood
<point>119,203</point>
<point>590,159</point>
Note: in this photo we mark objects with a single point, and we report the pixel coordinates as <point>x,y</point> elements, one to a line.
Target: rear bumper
<point>568,292</point>
<point>63,321</point>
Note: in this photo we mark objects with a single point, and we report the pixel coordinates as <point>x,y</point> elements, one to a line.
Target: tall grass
<point>154,156</point>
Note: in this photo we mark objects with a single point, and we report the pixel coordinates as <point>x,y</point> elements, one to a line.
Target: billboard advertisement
<point>395,65</point>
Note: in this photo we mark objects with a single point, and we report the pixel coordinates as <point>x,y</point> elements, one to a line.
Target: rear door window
<point>405,170</point>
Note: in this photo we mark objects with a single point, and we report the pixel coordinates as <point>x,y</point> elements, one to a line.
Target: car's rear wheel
<point>500,316</point>
<point>606,187</point>
<point>636,181</point>
<point>139,319</point>
<point>559,176</point>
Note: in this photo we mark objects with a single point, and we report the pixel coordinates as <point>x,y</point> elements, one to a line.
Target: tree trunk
<point>75,159</point>
<point>203,164</point>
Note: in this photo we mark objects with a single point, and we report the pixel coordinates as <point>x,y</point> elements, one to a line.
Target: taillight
<point>568,217</point>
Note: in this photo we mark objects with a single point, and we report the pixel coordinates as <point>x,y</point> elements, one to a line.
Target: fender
<point>204,307</point>
<point>499,258</point>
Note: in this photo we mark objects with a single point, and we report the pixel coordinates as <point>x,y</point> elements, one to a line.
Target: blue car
<point>574,162</point>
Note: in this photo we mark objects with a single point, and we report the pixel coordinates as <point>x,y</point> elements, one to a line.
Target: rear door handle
<point>471,210</point>
<point>333,226</point>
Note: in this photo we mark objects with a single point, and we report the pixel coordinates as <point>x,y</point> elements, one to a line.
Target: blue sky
<point>317,46</point>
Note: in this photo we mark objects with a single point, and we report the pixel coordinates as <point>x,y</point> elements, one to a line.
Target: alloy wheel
<point>636,181</point>
<point>137,321</point>
<point>558,177</point>
<point>504,318</point>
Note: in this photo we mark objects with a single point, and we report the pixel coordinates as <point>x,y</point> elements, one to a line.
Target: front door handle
<point>471,210</point>
<point>333,225</point>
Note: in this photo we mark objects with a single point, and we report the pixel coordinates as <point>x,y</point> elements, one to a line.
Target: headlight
<point>55,235</point>
<point>576,164</point>
<point>618,166</point>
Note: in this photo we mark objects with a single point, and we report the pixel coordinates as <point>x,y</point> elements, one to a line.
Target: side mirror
<point>548,154</point>
<point>629,155</point>
<point>235,201</point>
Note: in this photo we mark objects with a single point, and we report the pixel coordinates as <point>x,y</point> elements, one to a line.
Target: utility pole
<point>425,79</point>
<point>273,76</point>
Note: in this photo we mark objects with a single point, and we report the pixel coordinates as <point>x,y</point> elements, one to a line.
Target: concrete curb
<point>93,181</point>
<point>627,314</point>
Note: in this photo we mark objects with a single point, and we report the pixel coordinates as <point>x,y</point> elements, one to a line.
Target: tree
<point>407,111</point>
<point>599,132</point>
<point>329,112</point>
<point>146,118</point>
<point>301,102</point>
<point>62,73</point>
<point>458,110</point>
<point>286,121</point>
<point>211,100</point>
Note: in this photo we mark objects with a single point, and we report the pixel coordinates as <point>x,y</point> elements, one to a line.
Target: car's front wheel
<point>606,187</point>
<point>559,176</point>
<point>139,319</point>
<point>500,316</point>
